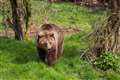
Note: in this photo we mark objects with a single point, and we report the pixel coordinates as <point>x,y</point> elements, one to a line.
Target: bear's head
<point>46,40</point>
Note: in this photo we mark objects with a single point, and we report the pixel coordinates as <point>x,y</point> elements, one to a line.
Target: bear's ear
<point>37,36</point>
<point>40,34</point>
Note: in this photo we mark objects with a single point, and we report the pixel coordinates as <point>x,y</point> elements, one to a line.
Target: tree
<point>27,5</point>
<point>21,13</point>
<point>18,18</point>
<point>107,36</point>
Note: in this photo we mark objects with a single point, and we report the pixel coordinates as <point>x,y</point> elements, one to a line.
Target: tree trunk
<point>18,18</point>
<point>27,6</point>
<point>107,37</point>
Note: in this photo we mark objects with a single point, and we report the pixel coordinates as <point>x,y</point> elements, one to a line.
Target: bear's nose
<point>45,45</point>
<point>49,49</point>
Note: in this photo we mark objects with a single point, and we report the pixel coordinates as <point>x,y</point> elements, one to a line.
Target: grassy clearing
<point>65,14</point>
<point>19,60</point>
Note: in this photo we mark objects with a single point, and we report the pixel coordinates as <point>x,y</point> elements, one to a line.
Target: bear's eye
<point>51,35</point>
<point>40,36</point>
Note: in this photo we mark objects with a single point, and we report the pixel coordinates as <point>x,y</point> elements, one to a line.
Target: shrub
<point>107,61</point>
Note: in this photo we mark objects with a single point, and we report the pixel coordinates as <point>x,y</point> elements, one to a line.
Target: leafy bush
<point>107,61</point>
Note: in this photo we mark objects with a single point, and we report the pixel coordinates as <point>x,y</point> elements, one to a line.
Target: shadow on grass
<point>74,45</point>
<point>18,52</point>
<point>21,52</point>
<point>71,51</point>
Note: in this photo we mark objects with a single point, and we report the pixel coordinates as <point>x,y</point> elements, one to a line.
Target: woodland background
<point>92,39</point>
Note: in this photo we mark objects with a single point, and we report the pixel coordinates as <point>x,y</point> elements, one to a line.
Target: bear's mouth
<point>50,51</point>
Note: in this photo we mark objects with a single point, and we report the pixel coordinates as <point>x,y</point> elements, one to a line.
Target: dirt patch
<point>33,30</point>
<point>70,30</point>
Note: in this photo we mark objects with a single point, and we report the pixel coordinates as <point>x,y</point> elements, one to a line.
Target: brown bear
<point>50,43</point>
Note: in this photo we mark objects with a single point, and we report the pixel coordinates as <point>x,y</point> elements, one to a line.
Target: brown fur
<point>50,43</point>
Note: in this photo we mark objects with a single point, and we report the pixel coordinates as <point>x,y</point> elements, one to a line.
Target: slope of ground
<point>19,60</point>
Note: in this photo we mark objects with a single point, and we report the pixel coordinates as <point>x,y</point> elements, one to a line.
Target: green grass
<point>19,60</point>
<point>65,14</point>
<point>1,27</point>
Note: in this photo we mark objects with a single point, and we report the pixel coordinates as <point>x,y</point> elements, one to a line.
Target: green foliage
<point>107,61</point>
<point>5,12</point>
<point>19,60</point>
<point>64,14</point>
<point>5,8</point>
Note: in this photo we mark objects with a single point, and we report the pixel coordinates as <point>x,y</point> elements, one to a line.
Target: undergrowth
<point>19,59</point>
